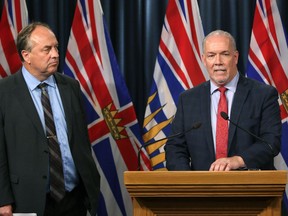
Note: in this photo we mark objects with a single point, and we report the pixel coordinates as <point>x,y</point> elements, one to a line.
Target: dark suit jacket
<point>254,108</point>
<point>24,150</point>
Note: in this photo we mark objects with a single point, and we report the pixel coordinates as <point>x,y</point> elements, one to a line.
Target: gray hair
<point>221,33</point>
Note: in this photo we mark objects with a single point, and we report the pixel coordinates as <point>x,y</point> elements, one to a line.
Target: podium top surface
<point>205,177</point>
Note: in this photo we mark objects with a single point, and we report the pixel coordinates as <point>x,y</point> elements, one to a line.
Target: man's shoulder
<point>205,86</point>
<point>7,82</point>
<point>257,85</point>
<point>60,77</point>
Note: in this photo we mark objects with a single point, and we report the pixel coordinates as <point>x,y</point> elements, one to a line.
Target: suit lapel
<point>240,96</point>
<point>206,116</point>
<point>21,92</point>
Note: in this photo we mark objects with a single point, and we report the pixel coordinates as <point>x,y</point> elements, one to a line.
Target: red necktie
<point>222,126</point>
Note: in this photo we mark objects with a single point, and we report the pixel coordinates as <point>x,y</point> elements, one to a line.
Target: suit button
<point>44,177</point>
<point>46,151</point>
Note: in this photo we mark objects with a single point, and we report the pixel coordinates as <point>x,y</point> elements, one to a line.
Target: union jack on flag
<point>268,63</point>
<point>114,132</point>
<point>14,17</point>
<point>178,68</point>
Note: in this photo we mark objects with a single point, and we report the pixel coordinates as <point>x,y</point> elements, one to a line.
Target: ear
<point>236,56</point>
<point>26,56</point>
<point>203,58</point>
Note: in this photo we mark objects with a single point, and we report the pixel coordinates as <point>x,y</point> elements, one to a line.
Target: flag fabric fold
<point>267,62</point>
<point>178,67</point>
<point>14,17</point>
<point>114,132</point>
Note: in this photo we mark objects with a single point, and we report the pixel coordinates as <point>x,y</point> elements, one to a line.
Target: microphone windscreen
<point>224,115</point>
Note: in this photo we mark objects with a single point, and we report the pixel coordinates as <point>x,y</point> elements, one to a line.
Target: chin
<point>221,82</point>
<point>52,69</point>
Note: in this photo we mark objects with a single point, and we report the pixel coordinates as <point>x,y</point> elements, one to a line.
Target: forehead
<point>218,43</point>
<point>43,36</point>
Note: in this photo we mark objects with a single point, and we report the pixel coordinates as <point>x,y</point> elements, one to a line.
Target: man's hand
<point>6,210</point>
<point>227,164</point>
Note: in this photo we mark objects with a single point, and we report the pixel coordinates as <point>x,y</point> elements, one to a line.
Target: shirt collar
<point>32,82</point>
<point>231,86</point>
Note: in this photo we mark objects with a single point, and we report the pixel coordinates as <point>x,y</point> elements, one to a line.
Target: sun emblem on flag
<point>153,131</point>
<point>284,99</point>
<point>112,122</point>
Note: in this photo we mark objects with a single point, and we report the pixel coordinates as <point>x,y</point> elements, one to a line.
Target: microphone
<point>226,117</point>
<point>195,126</point>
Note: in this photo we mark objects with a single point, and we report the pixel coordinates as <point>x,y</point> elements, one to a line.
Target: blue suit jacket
<point>255,108</point>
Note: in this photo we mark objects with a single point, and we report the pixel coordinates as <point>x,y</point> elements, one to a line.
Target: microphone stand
<point>226,117</point>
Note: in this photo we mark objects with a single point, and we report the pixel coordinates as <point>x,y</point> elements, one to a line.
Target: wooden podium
<point>200,193</point>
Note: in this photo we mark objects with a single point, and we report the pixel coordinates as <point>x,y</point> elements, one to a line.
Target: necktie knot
<point>222,89</point>
<point>42,86</point>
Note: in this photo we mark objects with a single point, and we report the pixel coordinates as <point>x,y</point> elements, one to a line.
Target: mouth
<point>220,70</point>
<point>54,64</point>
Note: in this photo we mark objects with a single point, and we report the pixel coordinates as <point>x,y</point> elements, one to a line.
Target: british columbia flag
<point>14,17</point>
<point>113,128</point>
<point>178,68</point>
<point>268,63</point>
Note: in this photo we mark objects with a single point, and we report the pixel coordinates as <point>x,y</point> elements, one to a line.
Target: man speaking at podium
<point>240,117</point>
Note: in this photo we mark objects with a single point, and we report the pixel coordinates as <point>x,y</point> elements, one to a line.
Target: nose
<point>54,52</point>
<point>218,59</point>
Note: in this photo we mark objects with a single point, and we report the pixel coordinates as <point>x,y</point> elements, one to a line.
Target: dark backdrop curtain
<point>135,28</point>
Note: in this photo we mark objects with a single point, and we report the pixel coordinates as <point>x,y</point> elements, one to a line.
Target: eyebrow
<point>212,52</point>
<point>49,46</point>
